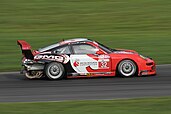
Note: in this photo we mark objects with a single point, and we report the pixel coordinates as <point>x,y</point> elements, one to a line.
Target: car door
<point>87,59</point>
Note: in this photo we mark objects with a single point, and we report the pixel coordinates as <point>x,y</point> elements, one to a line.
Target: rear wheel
<point>127,68</point>
<point>54,71</point>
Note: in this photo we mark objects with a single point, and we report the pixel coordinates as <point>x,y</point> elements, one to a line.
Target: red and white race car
<point>82,57</point>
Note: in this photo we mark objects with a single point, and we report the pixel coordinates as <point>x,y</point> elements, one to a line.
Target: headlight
<point>143,57</point>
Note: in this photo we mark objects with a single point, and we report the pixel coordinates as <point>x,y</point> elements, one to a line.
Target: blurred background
<point>141,25</point>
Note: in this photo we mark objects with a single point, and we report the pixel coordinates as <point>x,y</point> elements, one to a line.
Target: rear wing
<point>26,49</point>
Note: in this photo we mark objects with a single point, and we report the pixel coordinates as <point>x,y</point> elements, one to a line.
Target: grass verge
<point>127,106</point>
<point>141,25</point>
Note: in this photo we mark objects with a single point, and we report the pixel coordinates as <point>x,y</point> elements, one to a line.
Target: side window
<point>84,49</point>
<point>62,50</point>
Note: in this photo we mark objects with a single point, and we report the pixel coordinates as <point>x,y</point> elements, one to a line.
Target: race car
<point>81,57</point>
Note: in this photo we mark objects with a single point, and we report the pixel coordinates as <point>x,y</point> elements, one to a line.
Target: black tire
<point>54,71</point>
<point>127,68</point>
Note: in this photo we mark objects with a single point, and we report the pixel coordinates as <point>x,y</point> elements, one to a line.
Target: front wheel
<point>54,71</point>
<point>127,68</point>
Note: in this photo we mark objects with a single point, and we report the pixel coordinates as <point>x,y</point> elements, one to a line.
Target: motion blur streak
<point>141,25</point>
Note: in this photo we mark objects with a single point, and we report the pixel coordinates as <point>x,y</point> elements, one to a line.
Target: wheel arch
<point>64,65</point>
<point>62,68</point>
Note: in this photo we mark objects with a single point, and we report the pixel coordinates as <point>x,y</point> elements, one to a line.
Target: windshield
<point>105,48</point>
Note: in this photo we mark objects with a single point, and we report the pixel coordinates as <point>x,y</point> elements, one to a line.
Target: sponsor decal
<point>64,59</point>
<point>78,63</point>
<point>103,56</point>
<point>88,63</point>
<point>89,74</point>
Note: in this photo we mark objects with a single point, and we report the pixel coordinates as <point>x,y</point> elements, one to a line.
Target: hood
<point>125,51</point>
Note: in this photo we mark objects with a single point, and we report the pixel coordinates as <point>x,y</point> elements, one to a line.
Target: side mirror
<point>99,52</point>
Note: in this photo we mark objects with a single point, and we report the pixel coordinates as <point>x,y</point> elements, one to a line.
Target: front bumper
<point>148,68</point>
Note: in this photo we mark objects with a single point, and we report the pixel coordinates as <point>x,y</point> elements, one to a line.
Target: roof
<point>62,43</point>
<point>74,40</point>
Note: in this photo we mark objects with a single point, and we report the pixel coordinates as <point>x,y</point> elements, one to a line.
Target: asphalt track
<point>14,87</point>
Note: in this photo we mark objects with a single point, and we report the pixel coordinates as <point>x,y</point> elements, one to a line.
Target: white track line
<point>16,72</point>
<point>164,65</point>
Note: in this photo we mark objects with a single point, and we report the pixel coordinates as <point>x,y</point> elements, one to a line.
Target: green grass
<point>128,106</point>
<point>141,25</point>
